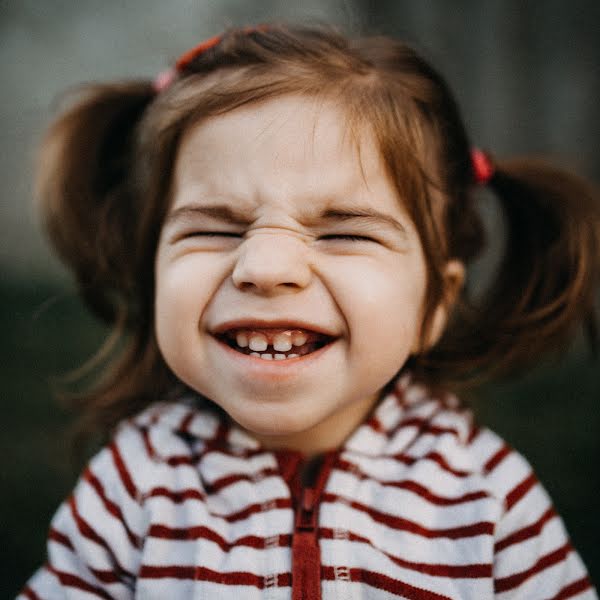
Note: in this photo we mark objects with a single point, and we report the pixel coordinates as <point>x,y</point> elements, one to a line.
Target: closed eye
<point>232,234</point>
<point>348,237</point>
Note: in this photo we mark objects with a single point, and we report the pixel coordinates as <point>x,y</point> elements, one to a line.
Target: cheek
<point>381,301</point>
<point>182,291</point>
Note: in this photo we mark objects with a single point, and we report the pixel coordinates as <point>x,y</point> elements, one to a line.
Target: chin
<point>274,421</point>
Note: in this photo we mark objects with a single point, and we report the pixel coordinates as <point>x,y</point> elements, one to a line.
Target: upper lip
<point>249,323</point>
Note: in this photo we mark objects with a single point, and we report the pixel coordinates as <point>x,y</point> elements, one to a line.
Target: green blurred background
<point>526,75</point>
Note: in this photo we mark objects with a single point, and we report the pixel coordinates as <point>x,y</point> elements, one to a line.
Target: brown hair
<point>104,182</point>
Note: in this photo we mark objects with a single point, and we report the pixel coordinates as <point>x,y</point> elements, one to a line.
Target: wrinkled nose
<point>271,264</point>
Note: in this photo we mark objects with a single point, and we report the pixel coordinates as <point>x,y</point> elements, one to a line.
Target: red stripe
<point>193,458</point>
<point>383,582</point>
<point>571,590</point>
<point>413,486</point>
<point>475,430</point>
<point>84,529</point>
<point>147,444</point>
<point>424,493</point>
<point>497,458</point>
<point>469,571</point>
<point>525,533</point>
<point>520,490</point>
<point>89,533</point>
<point>105,576</point>
<point>228,480</point>
<point>220,438</point>
<point>176,496</point>
<point>258,507</point>
<point>203,532</point>
<point>69,580</point>
<point>204,574</point>
<point>182,459</point>
<point>433,456</point>
<point>123,472</point>
<point>184,425</point>
<point>191,494</point>
<point>157,414</point>
<point>27,591</point>
<point>60,538</point>
<point>546,561</point>
<point>375,424</point>
<point>173,461</point>
<point>111,507</point>
<point>425,425</point>
<point>453,533</point>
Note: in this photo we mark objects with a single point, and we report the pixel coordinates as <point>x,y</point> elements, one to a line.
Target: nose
<point>272,263</point>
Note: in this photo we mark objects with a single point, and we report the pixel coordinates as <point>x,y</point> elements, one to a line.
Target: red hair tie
<point>164,79</point>
<point>187,57</point>
<point>482,166</point>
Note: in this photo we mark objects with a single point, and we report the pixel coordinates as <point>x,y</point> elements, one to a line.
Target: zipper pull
<point>306,515</point>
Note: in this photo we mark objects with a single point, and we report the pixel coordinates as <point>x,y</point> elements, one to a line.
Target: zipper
<point>306,554</point>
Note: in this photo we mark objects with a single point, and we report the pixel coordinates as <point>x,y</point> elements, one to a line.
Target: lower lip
<point>274,369</point>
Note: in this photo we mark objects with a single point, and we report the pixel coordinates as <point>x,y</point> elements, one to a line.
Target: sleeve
<point>94,540</point>
<point>533,557</point>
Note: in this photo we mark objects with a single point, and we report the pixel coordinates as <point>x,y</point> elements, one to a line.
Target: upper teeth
<point>281,341</point>
<point>298,338</point>
<point>242,339</point>
<point>258,342</point>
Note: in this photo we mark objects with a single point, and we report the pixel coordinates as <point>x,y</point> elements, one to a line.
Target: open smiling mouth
<point>274,344</point>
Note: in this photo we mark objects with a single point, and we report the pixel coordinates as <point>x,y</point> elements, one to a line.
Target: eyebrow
<point>368,214</point>
<point>226,213</point>
<point>220,212</point>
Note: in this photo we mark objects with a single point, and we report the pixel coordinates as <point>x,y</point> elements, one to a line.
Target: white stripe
<point>475,549</point>
<point>426,472</point>
<point>159,589</point>
<point>215,465</point>
<point>363,556</point>
<point>508,474</point>
<point>548,582</point>
<point>523,556</point>
<point>525,512</point>
<point>66,561</point>
<point>277,521</point>
<point>242,494</point>
<point>210,555</point>
<point>409,505</point>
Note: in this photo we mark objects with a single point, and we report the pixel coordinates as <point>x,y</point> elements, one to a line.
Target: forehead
<point>291,147</point>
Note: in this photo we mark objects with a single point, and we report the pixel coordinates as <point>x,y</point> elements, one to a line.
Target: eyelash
<point>332,236</point>
<point>350,237</point>
<point>230,234</point>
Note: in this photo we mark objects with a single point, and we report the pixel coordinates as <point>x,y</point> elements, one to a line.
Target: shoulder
<point>426,425</point>
<point>149,447</point>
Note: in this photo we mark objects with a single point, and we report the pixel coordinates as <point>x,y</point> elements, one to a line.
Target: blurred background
<point>527,77</point>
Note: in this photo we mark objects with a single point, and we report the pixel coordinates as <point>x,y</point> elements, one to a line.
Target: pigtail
<point>548,279</point>
<point>547,282</point>
<point>84,193</point>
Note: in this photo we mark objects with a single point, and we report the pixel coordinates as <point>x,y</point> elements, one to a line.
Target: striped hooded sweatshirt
<point>419,503</point>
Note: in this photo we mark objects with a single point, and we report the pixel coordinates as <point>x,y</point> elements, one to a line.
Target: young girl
<point>279,228</point>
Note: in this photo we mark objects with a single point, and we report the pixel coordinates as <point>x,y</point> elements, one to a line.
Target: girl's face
<point>283,238</point>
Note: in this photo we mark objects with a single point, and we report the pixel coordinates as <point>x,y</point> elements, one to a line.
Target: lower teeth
<point>267,356</point>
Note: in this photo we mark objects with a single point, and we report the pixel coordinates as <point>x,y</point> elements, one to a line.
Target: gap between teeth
<point>282,342</point>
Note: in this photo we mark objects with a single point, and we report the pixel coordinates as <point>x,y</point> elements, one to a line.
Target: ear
<point>454,278</point>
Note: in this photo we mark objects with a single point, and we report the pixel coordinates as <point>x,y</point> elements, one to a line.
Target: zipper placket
<point>306,554</point>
